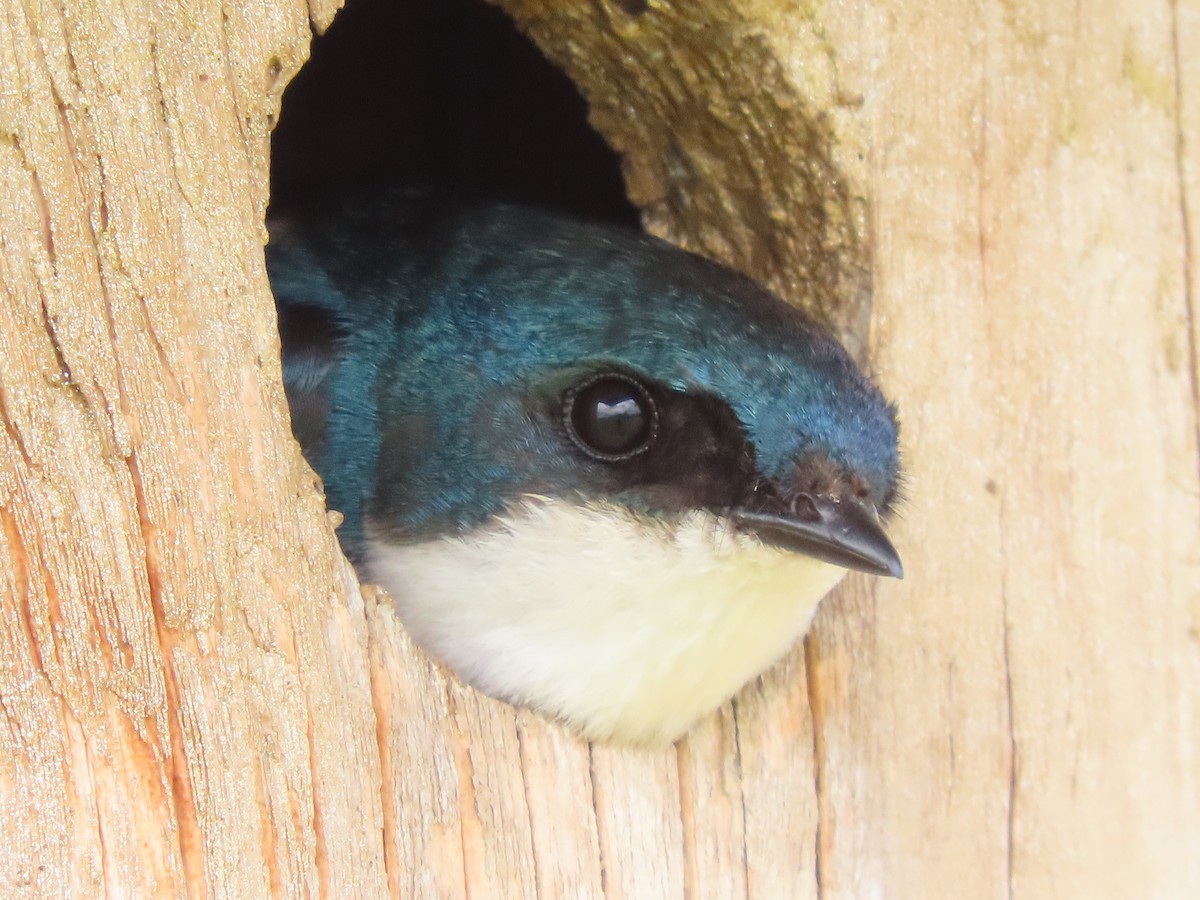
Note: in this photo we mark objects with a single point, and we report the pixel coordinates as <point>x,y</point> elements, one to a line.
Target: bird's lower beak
<point>839,530</point>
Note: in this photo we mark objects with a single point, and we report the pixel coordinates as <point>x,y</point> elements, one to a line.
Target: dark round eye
<point>611,417</point>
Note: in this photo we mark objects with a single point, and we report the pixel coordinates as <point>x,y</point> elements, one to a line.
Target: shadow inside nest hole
<point>447,93</point>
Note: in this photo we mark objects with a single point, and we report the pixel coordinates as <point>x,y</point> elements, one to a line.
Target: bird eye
<point>611,417</point>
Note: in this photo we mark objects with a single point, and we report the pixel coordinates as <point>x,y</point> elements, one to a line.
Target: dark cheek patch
<point>702,458</point>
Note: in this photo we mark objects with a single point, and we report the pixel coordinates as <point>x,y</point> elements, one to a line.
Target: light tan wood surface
<point>995,202</point>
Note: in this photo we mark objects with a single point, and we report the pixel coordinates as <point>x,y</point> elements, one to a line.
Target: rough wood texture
<point>195,697</point>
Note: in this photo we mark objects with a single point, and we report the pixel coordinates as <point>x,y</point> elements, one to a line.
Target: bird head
<point>584,461</point>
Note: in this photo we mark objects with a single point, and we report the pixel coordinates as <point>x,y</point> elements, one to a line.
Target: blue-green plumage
<point>454,324</point>
<point>434,359</point>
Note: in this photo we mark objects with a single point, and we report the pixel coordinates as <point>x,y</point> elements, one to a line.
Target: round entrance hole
<point>717,149</point>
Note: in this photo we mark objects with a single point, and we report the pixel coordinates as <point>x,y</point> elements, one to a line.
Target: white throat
<point>622,625</point>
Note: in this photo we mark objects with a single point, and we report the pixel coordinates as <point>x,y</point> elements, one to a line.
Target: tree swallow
<point>600,476</point>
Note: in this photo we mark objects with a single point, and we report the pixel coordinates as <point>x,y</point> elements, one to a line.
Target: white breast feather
<point>621,625</point>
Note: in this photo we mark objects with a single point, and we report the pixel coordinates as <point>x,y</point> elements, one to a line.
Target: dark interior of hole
<point>446,92</point>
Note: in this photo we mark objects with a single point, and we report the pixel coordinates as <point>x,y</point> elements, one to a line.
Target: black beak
<point>839,530</point>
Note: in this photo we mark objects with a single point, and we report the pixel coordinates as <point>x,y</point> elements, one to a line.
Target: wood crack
<point>818,751</point>
<point>189,833</point>
<point>1189,293</point>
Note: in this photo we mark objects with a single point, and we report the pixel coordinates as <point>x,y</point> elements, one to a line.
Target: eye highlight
<point>611,417</point>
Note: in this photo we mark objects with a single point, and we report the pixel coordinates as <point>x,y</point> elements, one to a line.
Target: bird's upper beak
<point>841,530</point>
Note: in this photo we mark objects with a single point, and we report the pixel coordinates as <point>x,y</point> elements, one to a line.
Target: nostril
<point>803,507</point>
